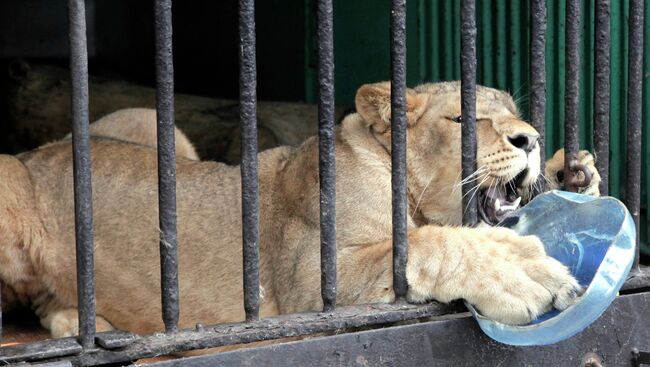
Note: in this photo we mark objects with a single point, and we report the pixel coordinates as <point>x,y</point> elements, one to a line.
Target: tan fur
<point>556,164</point>
<point>138,125</point>
<point>507,276</point>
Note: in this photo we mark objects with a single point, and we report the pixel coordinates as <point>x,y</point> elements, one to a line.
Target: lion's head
<point>508,158</point>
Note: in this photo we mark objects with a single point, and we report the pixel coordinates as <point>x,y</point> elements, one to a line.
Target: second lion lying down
<point>507,276</point>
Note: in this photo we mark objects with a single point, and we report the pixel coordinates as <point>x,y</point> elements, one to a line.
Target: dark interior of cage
<point>35,80</point>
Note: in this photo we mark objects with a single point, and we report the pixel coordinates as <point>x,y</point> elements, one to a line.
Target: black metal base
<point>456,342</point>
<point>453,339</point>
<point>639,279</point>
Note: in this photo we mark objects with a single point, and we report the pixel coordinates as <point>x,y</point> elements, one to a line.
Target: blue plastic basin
<point>595,238</point>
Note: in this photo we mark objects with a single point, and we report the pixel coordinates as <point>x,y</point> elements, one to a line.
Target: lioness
<point>508,277</point>
<point>138,126</point>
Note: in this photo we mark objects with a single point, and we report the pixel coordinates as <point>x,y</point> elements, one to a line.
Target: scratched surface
<point>455,342</point>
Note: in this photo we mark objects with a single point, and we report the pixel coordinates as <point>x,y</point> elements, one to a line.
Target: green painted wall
<point>433,41</point>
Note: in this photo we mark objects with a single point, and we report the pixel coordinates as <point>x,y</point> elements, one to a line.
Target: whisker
<point>459,184</point>
<point>480,170</point>
<point>475,191</point>
<point>417,204</point>
<point>475,187</point>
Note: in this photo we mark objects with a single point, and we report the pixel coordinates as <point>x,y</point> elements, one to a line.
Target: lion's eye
<point>560,176</point>
<point>457,119</point>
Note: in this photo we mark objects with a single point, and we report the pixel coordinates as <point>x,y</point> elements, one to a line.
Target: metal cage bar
<point>83,208</point>
<point>249,181</point>
<point>210,336</point>
<point>601,92</point>
<point>538,77</point>
<point>634,108</point>
<point>166,164</point>
<point>572,92</point>
<point>398,144</point>
<point>0,312</point>
<point>468,108</point>
<point>327,163</point>
<point>118,347</point>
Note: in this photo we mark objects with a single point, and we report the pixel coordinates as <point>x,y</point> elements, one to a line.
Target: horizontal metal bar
<point>267,329</point>
<point>454,342</point>
<point>133,347</point>
<point>572,90</point>
<point>249,183</point>
<point>39,350</point>
<point>601,93</point>
<point>326,156</point>
<point>166,164</point>
<point>82,172</point>
<point>637,281</point>
<point>634,109</point>
<point>398,144</point>
<point>56,364</point>
<point>468,108</point>
<point>115,339</point>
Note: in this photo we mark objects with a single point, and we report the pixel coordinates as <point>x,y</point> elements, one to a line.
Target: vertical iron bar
<point>166,164</point>
<point>83,208</point>
<point>0,312</point>
<point>248,117</point>
<point>601,96</point>
<point>538,77</point>
<point>398,144</point>
<point>572,87</point>
<point>634,107</point>
<point>327,162</point>
<point>468,107</point>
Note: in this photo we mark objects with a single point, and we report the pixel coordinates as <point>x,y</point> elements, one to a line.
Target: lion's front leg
<point>555,172</point>
<point>65,322</point>
<point>508,277</point>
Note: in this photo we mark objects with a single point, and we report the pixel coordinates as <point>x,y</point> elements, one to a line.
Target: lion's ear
<point>373,104</point>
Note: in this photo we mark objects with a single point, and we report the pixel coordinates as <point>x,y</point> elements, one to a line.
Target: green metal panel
<point>433,32</point>
<point>645,174</point>
<point>361,46</point>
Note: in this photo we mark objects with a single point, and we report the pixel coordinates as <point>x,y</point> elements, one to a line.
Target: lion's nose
<point>525,142</point>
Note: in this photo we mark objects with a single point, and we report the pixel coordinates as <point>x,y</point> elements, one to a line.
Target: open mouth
<point>496,202</point>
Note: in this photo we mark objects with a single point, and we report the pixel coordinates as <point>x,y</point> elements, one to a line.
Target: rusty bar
<point>0,312</point>
<point>634,107</point>
<point>249,180</point>
<point>327,164</point>
<point>468,107</point>
<point>83,208</point>
<point>572,83</point>
<point>166,164</point>
<point>537,94</point>
<point>275,327</point>
<point>601,92</point>
<point>398,144</point>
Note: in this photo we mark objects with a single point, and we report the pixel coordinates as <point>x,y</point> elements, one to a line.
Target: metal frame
<point>455,342</point>
<point>83,208</point>
<point>92,348</point>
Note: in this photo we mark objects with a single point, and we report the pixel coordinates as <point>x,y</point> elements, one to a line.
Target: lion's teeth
<point>502,208</point>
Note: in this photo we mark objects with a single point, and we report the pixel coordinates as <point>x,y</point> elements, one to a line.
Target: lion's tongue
<point>497,204</point>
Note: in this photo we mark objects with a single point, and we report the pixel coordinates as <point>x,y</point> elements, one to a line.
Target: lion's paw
<point>65,323</point>
<point>555,172</point>
<point>515,281</point>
